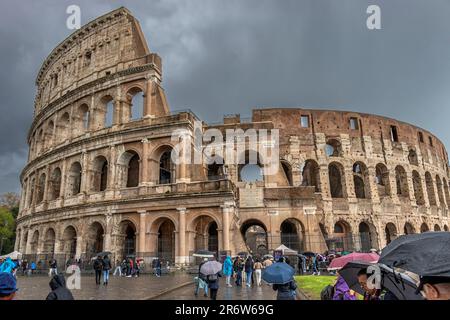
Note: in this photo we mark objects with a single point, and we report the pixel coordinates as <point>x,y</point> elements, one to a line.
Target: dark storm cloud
<point>229,56</point>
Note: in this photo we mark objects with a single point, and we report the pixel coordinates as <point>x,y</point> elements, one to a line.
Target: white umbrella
<point>211,267</point>
<point>13,255</point>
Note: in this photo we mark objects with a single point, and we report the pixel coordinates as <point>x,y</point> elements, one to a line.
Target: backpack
<point>212,277</point>
<point>327,293</point>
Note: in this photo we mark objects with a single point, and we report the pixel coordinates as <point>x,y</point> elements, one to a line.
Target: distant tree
<point>7,230</point>
<point>10,200</point>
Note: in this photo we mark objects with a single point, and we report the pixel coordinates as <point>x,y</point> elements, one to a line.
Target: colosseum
<point>100,176</point>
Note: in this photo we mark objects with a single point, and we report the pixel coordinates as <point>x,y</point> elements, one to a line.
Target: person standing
<point>59,289</point>
<point>228,270</point>
<point>238,269</point>
<point>98,269</point>
<point>118,269</point>
<point>106,266</point>
<point>258,267</point>
<point>53,267</point>
<point>201,280</point>
<point>315,265</point>
<point>248,270</point>
<point>24,267</point>
<point>158,267</point>
<point>33,267</point>
<point>285,291</point>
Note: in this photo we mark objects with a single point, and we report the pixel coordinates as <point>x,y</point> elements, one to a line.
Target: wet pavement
<point>264,292</point>
<point>119,288</point>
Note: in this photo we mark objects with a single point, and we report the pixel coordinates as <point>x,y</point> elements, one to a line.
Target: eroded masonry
<point>100,176</point>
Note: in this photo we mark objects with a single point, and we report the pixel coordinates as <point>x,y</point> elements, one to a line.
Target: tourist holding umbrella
<point>340,262</point>
<point>281,276</point>
<point>212,270</point>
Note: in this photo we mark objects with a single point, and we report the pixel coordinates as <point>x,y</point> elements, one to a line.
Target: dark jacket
<point>249,265</point>
<point>106,264</point>
<point>285,291</point>
<point>213,281</point>
<point>98,264</point>
<point>53,264</point>
<point>59,290</point>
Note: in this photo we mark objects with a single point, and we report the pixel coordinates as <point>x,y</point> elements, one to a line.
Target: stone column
<point>373,185</point>
<point>227,210</point>
<point>142,231</point>
<point>108,230</point>
<point>182,258</point>
<point>79,248</point>
<point>145,154</point>
<point>47,182</point>
<point>84,172</point>
<point>148,105</point>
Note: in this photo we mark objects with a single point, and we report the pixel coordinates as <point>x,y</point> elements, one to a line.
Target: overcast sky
<point>223,57</point>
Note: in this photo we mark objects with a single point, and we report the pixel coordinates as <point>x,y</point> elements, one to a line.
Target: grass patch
<point>313,285</point>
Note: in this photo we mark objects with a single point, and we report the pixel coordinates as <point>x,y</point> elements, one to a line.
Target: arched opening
<point>83,118</point>
<point>205,234</point>
<point>49,133</point>
<point>412,157</point>
<point>55,184</point>
<point>215,171</point>
<point>418,192</point>
<point>69,242</point>
<point>128,238</point>
<point>32,195</point>
<point>166,241</point>
<point>74,179</point>
<point>166,168</point>
<point>286,174</point>
<point>440,192</point>
<point>136,99</point>
<point>100,174</point>
<point>437,228</point>
<point>337,182</point>
<point>49,242</point>
<point>311,175</point>
<point>34,242</point>
<point>41,188</point>
<point>424,228</point>
<point>408,228</point>
<point>446,193</point>
<point>391,232</point>
<point>446,228</point>
<point>254,233</point>
<point>342,239</point>
<point>402,182</point>
<point>40,142</point>
<point>64,127</point>
<point>333,148</point>
<point>250,168</point>
<point>129,169</point>
<point>292,234</point>
<point>108,105</point>
<point>367,236</point>
<point>382,180</point>
<point>430,189</point>
<point>94,241</point>
<point>361,181</point>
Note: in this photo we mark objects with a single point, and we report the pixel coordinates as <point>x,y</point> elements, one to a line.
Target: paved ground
<point>119,288</point>
<point>264,292</point>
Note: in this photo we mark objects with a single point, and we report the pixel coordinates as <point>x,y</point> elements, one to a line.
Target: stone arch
<point>446,191</point>
<point>333,148</point>
<point>292,233</point>
<point>401,180</point>
<point>437,228</point>
<point>165,229</point>
<point>250,168</point>
<point>49,133</point>
<point>412,157</point>
<point>81,121</point>
<point>409,228</point>
<point>430,189</point>
<point>254,233</point>
<point>361,180</point>
<point>41,188</point>
<point>216,170</point>
<point>69,239</point>
<point>287,173</point>
<point>94,239</point>
<point>100,174</point>
<point>166,167</point>
<point>34,243</point>
<point>367,236</point>
<point>440,192</point>
<point>64,127</point>
<point>32,191</point>
<point>342,239</point>
<point>108,111</point>
<point>424,228</point>
<point>54,191</point>
<point>446,228</point>
<point>336,175</point>
<point>311,175</point>
<point>129,169</point>
<point>382,180</point>
<point>205,229</point>
<point>74,179</point>
<point>126,238</point>
<point>391,232</point>
<point>135,98</point>
<point>49,242</point>
<point>417,185</point>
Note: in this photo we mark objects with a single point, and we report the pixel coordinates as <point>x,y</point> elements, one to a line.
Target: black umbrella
<point>399,284</point>
<point>104,253</point>
<point>425,254</point>
<point>308,254</point>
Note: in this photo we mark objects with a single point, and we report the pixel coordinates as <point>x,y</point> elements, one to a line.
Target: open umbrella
<point>340,262</point>
<point>267,256</point>
<point>278,273</point>
<point>211,267</point>
<point>308,254</point>
<point>425,254</point>
<point>203,254</point>
<point>104,253</point>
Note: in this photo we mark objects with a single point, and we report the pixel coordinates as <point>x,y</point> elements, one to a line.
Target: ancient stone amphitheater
<point>100,177</point>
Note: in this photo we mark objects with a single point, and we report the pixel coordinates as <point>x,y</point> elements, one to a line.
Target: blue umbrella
<point>278,273</point>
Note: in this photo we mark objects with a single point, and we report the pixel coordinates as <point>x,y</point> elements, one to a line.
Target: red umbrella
<point>339,263</point>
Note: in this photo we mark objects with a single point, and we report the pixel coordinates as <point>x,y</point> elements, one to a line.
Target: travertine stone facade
<point>100,177</point>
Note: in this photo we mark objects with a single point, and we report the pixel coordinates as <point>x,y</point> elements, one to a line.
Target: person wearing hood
<point>342,291</point>
<point>98,265</point>
<point>59,289</point>
<point>106,266</point>
<point>8,266</point>
<point>8,286</point>
<point>228,270</point>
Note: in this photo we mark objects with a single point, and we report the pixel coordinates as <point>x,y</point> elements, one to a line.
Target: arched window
<point>337,181</point>
<point>82,119</point>
<point>418,192</point>
<point>108,106</point>
<point>55,184</point>
<point>166,168</point>
<point>402,182</point>
<point>333,148</point>
<point>412,157</point>
<point>41,188</point>
<point>430,189</point>
<point>100,174</point>
<point>136,99</point>
<point>133,171</point>
<point>49,133</point>
<point>64,127</point>
<point>360,180</point>
<point>311,175</point>
<point>215,171</point>
<point>424,228</point>
<point>74,179</point>
<point>382,180</point>
<point>287,173</point>
<point>440,192</point>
